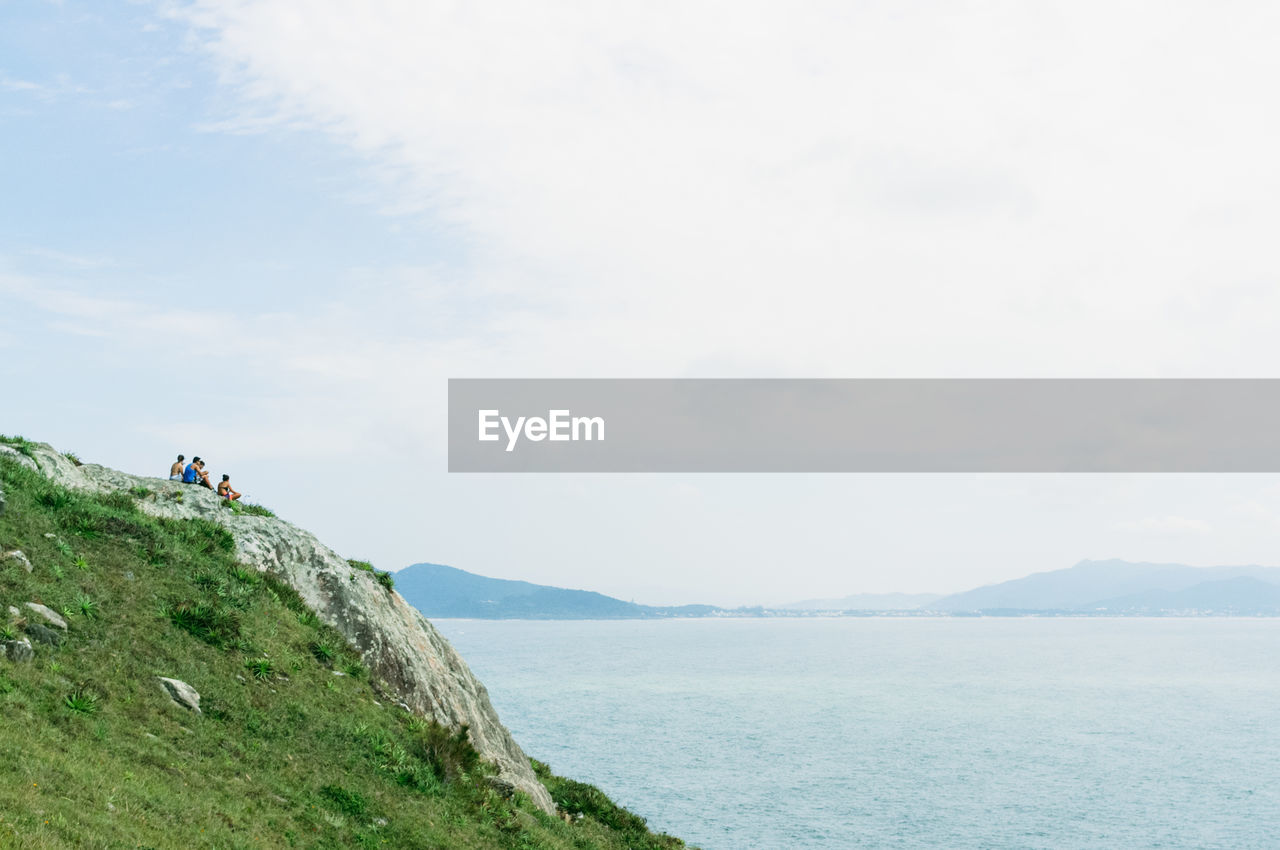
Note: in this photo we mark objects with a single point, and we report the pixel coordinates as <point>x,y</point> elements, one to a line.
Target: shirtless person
<point>175,471</point>
<point>224,489</point>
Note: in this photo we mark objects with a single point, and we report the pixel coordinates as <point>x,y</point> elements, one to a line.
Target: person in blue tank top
<point>192,472</point>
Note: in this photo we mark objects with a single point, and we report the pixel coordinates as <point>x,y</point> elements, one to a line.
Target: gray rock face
<point>181,693</point>
<point>406,657</point>
<point>16,650</point>
<point>15,557</point>
<point>1,502</point>
<point>44,634</point>
<point>13,454</point>
<point>48,615</point>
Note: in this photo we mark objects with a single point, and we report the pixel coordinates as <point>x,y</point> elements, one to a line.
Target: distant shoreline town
<point>1089,589</point>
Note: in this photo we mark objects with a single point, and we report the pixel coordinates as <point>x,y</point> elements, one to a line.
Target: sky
<point>268,232</point>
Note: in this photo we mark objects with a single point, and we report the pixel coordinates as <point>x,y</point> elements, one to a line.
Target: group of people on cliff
<point>194,473</point>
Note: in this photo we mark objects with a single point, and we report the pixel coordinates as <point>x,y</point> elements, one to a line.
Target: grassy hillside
<point>294,748</point>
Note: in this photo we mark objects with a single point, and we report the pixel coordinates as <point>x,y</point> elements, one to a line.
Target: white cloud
<point>815,188</point>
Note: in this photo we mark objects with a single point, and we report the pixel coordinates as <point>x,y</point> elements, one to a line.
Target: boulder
<point>15,557</point>
<point>49,616</point>
<point>16,650</point>
<point>181,693</point>
<point>44,634</point>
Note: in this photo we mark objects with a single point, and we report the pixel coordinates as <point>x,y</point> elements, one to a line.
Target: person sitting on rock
<point>202,477</point>
<point>175,471</point>
<point>225,491</point>
<point>192,472</point>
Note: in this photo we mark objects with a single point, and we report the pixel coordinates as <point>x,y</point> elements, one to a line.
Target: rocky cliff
<point>412,663</point>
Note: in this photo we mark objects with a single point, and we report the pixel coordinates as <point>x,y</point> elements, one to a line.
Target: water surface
<point>952,732</point>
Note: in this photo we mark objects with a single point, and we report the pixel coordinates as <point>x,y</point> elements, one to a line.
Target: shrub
<point>386,580</point>
<point>87,606</point>
<point>449,753</point>
<point>255,510</point>
<point>82,701</point>
<point>360,565</point>
<point>56,498</point>
<point>578,797</point>
<point>260,669</point>
<point>217,627</point>
<point>322,652</point>
<point>141,492</point>
<point>347,802</point>
<point>73,457</point>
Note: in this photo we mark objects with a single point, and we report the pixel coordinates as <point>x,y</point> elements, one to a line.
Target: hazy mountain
<point>1091,584</point>
<point>1243,595</point>
<point>440,591</point>
<point>866,602</point>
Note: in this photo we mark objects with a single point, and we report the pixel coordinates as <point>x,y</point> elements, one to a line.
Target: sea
<point>914,732</point>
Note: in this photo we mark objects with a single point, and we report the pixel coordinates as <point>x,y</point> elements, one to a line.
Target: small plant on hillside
<point>215,626</point>
<point>255,510</point>
<point>360,565</point>
<point>65,549</point>
<point>322,652</point>
<point>87,606</point>
<point>386,580</point>
<point>82,701</point>
<point>245,576</point>
<point>8,633</point>
<point>308,618</point>
<point>141,492</point>
<point>56,498</point>
<point>260,669</point>
<point>57,570</point>
<point>80,564</point>
<point>73,457</point>
<point>354,669</point>
<point>346,802</point>
<point>176,496</point>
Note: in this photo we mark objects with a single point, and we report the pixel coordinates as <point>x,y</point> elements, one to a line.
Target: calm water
<point>950,733</point>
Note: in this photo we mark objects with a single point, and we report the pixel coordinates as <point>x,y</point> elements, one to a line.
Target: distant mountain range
<point>1099,588</point>
<point>440,591</point>
<point>1121,587</point>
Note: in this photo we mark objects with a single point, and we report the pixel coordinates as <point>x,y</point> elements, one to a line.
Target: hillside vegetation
<point>293,747</point>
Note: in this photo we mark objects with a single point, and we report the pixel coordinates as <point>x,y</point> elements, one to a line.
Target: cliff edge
<point>407,659</point>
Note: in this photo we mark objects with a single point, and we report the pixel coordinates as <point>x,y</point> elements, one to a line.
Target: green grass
<point>94,754</point>
<point>242,508</point>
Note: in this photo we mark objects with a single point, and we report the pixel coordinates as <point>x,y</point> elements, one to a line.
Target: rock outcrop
<point>405,655</point>
<point>16,650</point>
<point>48,615</point>
<point>15,557</point>
<point>181,693</point>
